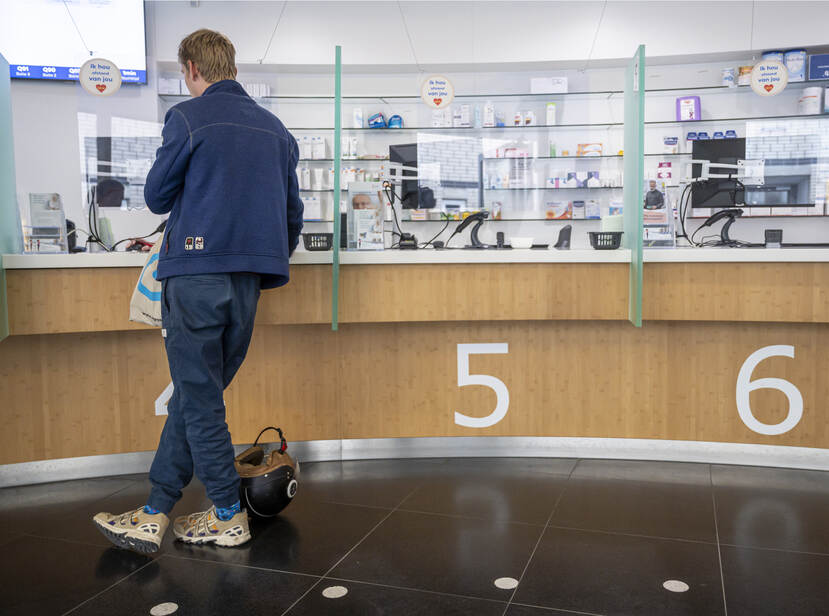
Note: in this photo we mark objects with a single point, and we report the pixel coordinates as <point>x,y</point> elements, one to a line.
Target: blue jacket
<point>226,172</point>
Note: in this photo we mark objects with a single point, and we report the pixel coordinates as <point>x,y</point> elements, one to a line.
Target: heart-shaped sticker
<point>100,87</point>
<point>438,101</point>
<point>769,87</point>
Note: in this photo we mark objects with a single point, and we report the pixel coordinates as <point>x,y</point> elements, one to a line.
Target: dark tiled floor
<point>424,537</point>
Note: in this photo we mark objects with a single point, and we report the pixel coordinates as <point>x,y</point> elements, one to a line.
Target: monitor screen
<point>51,39</point>
<point>406,155</point>
<point>718,192</point>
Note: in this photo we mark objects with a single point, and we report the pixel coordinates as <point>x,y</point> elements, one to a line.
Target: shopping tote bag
<point>145,306</point>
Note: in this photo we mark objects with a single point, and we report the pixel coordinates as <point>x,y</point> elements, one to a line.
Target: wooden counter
<point>77,379</point>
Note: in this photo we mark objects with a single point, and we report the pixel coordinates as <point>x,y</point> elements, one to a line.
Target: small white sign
<point>100,77</point>
<point>437,92</point>
<point>769,77</point>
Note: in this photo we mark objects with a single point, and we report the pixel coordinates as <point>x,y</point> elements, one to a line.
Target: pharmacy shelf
<point>345,160</point>
<point>712,89</point>
<point>558,188</point>
<point>504,158</point>
<point>550,127</point>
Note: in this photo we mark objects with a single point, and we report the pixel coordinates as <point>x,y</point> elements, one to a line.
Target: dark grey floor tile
<point>61,495</point>
<point>444,554</point>
<point>45,576</point>
<point>369,600</point>
<point>531,610</point>
<point>509,467</point>
<point>203,588</point>
<point>307,537</point>
<point>370,469</point>
<point>610,574</point>
<point>519,498</point>
<point>761,582</point>
<point>774,508</point>
<point>655,509</point>
<point>684,473</point>
<point>75,523</point>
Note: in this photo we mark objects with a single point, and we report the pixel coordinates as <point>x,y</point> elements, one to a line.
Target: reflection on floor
<point>510,537</point>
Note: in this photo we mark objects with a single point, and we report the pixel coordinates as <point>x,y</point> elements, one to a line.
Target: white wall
<point>450,32</point>
<point>469,38</point>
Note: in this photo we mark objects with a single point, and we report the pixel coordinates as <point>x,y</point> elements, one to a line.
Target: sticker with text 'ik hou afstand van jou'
<point>100,77</point>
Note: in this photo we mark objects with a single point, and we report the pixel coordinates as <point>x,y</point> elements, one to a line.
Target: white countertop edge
<point>384,257</point>
<point>437,257</point>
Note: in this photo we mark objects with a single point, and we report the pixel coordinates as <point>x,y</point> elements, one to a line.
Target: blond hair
<point>212,52</point>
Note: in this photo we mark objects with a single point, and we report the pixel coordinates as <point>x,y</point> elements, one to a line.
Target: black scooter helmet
<point>268,481</point>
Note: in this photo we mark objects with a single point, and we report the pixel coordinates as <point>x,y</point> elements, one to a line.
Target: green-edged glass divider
<point>634,173</point>
<point>9,229</point>
<point>335,280</point>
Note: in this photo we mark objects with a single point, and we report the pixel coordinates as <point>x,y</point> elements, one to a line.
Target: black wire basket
<point>605,240</point>
<point>318,241</point>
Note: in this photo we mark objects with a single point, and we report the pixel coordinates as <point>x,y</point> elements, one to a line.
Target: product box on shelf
<point>795,61</point>
<point>592,209</point>
<point>577,208</point>
<point>819,66</point>
<point>558,210</point>
<point>312,208</point>
<point>687,108</point>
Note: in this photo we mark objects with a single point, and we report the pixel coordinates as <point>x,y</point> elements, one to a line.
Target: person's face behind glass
<point>362,202</point>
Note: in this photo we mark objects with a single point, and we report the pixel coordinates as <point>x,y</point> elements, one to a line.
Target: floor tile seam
<point>767,549</point>
<point>339,502</point>
<point>65,540</point>
<point>111,586</point>
<point>414,589</point>
<point>344,556</point>
<point>556,609</point>
<point>241,566</point>
<point>637,535</point>
<point>102,498</point>
<point>540,537</point>
<point>717,535</point>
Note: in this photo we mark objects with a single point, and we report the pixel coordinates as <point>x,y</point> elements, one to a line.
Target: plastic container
<point>744,75</point>
<point>795,61</point>
<point>605,240</point>
<point>521,242</point>
<point>729,79</point>
<point>810,101</point>
<point>773,55</point>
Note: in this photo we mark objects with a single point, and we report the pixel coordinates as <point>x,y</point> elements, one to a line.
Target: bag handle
<point>283,444</point>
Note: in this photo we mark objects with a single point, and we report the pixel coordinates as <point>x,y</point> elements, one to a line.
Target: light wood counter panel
<point>787,292</point>
<point>50,301</point>
<point>70,395</point>
<point>53,301</point>
<point>490,292</point>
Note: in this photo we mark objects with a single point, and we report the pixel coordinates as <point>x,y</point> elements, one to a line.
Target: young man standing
<point>226,173</point>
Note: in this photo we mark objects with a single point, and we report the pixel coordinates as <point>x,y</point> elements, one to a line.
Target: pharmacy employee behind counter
<point>226,172</point>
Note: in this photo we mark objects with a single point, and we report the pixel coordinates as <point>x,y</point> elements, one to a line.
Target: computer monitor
<point>718,192</point>
<point>406,155</point>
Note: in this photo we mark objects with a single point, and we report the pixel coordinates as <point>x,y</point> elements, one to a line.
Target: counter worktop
<point>430,256</point>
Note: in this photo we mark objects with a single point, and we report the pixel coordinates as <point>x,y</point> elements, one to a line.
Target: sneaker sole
<point>223,540</point>
<point>123,540</point>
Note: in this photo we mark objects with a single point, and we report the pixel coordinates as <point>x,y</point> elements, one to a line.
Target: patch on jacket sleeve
<point>188,243</point>
<point>199,243</point>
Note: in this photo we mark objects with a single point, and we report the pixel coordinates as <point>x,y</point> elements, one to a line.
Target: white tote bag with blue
<point>145,306</point>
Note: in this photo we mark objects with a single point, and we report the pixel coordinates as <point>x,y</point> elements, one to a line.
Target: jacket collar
<point>227,86</point>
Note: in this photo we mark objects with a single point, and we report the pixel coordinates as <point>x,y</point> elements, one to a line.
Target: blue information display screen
<point>51,40</point>
<point>27,71</point>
